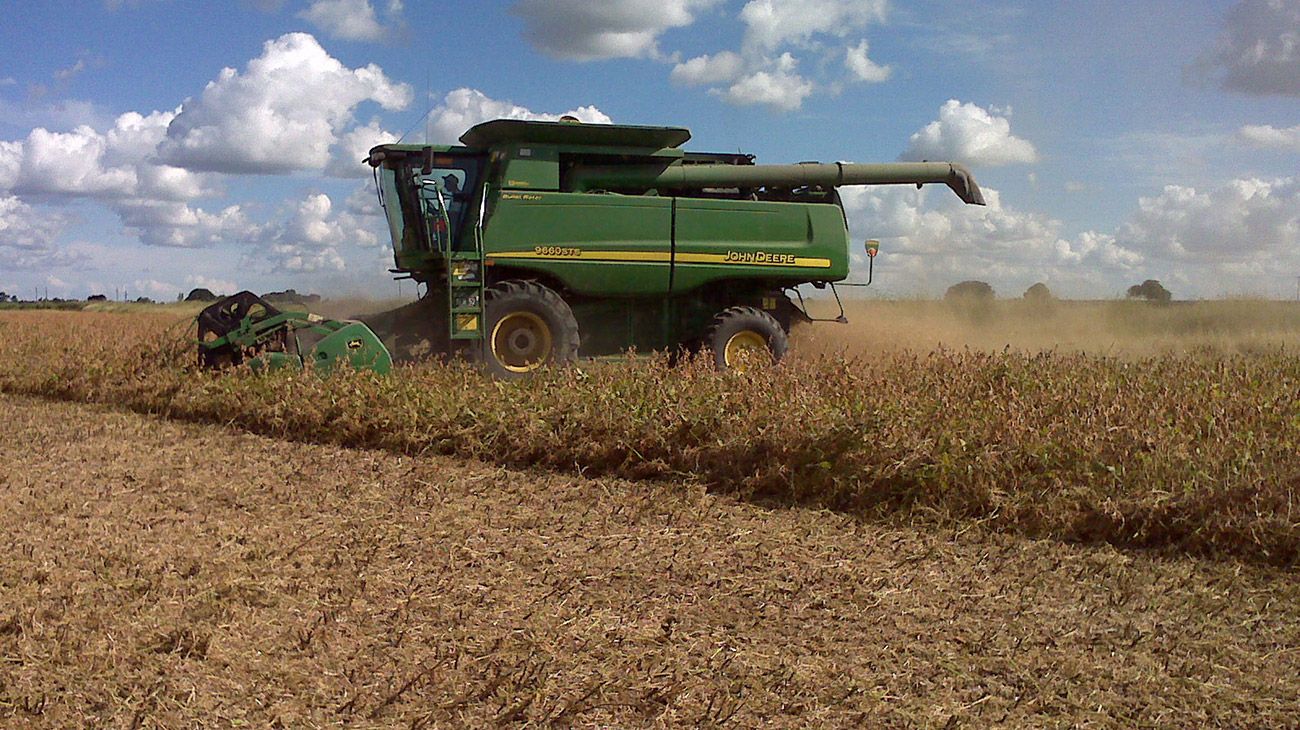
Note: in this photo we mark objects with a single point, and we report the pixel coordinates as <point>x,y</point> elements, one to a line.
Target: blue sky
<point>153,145</point>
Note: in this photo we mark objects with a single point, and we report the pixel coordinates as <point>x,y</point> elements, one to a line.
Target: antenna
<point>413,126</point>
<point>428,128</point>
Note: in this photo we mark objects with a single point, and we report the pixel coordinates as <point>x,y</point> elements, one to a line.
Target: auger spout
<point>834,174</point>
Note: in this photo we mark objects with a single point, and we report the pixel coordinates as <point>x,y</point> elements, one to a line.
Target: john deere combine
<point>538,242</point>
<point>543,241</point>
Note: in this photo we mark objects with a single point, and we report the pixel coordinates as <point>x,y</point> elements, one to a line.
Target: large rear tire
<point>742,338</point>
<point>528,327</point>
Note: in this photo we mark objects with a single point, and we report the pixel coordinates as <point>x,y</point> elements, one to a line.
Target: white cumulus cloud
<point>178,225</point>
<point>1241,235</point>
<point>309,239</point>
<point>1239,220</point>
<point>1269,137</point>
<point>780,88</point>
<point>218,286</point>
<point>772,23</point>
<point>72,163</point>
<point>862,68</point>
<point>28,236</point>
<point>24,227</point>
<point>282,113</point>
<point>581,30</point>
<point>352,20</point>
<point>154,289</point>
<point>969,134</point>
<point>463,108</point>
<point>704,70</point>
<point>353,147</point>
<point>84,162</point>
<point>763,70</point>
<point>932,240</point>
<point>292,105</point>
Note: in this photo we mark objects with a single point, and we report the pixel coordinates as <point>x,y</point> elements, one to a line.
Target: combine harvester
<point>539,242</point>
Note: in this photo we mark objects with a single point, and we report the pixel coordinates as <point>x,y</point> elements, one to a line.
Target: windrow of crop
<point>1194,453</point>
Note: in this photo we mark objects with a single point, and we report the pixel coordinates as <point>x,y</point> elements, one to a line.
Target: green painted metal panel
<point>598,245</point>
<point>748,239</point>
<point>501,131</point>
<point>354,343</point>
<point>531,168</point>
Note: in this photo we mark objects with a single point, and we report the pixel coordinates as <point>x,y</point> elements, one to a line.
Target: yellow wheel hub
<point>521,342</point>
<point>746,349</point>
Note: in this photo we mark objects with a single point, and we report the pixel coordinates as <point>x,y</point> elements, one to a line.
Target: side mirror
<point>873,248</point>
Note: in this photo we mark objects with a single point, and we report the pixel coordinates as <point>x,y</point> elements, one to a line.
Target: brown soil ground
<point>157,574</point>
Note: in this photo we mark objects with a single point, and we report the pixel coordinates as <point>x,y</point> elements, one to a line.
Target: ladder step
<point>465,305</point>
<point>467,326</point>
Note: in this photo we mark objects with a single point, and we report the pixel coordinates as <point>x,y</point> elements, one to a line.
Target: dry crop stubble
<point>148,583</point>
<point>1182,453</point>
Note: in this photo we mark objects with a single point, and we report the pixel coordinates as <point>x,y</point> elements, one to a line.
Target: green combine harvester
<point>542,242</point>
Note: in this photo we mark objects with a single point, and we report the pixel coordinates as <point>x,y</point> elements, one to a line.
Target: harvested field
<point>165,574</point>
<point>1181,453</point>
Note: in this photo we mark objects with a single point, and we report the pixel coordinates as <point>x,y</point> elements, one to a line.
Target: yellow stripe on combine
<point>728,259</point>
<point>573,254</point>
<point>802,262</point>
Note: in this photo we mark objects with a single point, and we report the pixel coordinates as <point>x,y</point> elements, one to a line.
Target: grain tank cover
<point>507,131</point>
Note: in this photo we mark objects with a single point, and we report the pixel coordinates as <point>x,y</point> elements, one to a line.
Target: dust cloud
<point>1118,328</point>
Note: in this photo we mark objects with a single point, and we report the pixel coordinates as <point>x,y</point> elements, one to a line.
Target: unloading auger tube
<point>830,174</point>
<point>246,329</point>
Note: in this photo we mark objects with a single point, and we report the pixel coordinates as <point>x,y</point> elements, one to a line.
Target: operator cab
<point>427,193</point>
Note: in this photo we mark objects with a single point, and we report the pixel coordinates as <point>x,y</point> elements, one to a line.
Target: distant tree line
<point>972,292</point>
<point>982,291</point>
<point>1151,290</point>
<point>288,296</point>
<point>969,292</point>
<point>1039,294</point>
